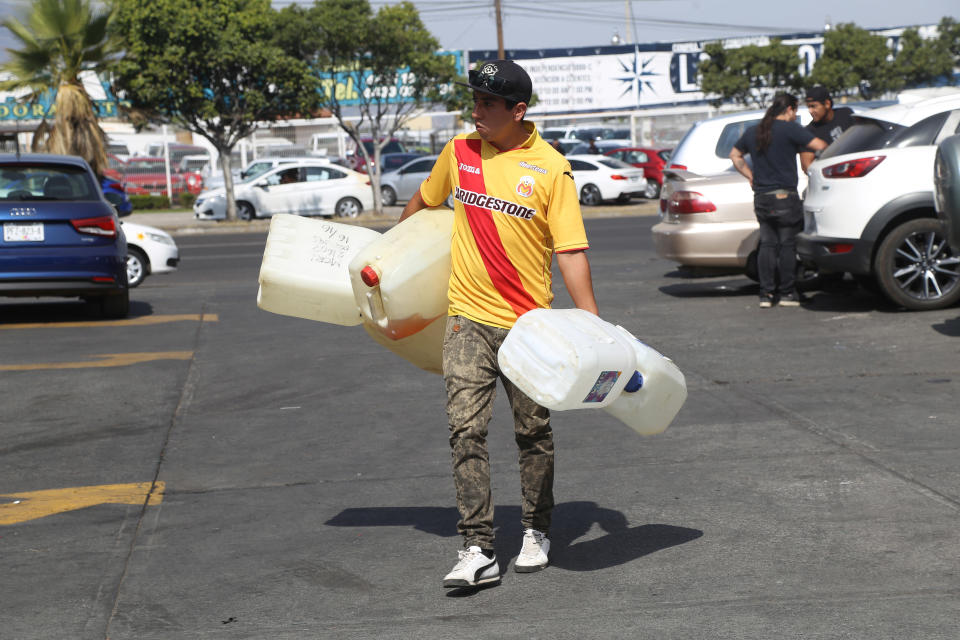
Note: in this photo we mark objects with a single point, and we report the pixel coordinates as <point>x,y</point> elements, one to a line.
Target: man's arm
<point>807,157</point>
<point>740,164</point>
<point>413,205</point>
<point>575,269</point>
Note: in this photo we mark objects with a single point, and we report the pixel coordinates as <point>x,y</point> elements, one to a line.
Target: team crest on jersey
<point>525,186</point>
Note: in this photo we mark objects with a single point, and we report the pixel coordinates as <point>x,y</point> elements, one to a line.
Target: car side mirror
<point>263,185</point>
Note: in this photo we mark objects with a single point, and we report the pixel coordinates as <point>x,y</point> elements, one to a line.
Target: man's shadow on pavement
<point>571,520</point>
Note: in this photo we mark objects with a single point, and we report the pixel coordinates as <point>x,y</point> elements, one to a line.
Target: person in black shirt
<point>828,123</point>
<point>773,146</point>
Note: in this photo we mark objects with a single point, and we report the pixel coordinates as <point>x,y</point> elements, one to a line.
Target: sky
<point>471,25</point>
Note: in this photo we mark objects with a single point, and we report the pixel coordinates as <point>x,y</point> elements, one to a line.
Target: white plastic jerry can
<point>654,393</point>
<point>400,284</point>
<point>304,270</point>
<point>571,359</point>
<point>567,358</point>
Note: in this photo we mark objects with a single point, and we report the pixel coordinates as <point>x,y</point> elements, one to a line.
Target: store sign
<point>582,79</point>
<point>13,108</point>
<point>352,88</point>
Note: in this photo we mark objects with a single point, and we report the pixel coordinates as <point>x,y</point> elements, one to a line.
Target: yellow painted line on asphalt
<point>31,505</point>
<point>129,322</point>
<point>108,360</point>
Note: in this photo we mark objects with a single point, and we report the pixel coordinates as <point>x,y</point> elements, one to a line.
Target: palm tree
<point>60,40</point>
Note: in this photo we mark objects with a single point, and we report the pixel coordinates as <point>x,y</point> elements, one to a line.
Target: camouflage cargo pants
<point>470,373</point>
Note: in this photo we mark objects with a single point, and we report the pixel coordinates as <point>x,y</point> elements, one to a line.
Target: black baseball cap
<point>818,93</point>
<point>503,78</point>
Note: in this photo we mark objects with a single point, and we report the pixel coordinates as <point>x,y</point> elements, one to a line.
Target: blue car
<point>115,194</point>
<point>61,237</point>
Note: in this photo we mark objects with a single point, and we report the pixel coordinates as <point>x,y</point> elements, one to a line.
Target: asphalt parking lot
<point>206,469</point>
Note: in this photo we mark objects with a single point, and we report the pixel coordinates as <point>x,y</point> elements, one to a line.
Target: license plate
<point>23,232</point>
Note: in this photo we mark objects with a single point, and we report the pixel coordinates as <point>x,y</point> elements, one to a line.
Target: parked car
<point>148,176</point>
<point>707,222</point>
<point>149,250</point>
<point>61,237</point>
<point>586,133</point>
<point>600,178</point>
<point>946,179</point>
<point>705,148</point>
<point>599,146</point>
<point>359,163</point>
<point>177,151</point>
<point>869,208</point>
<point>115,194</point>
<point>400,185</point>
<point>567,145</point>
<point>313,187</point>
<point>650,160</point>
<point>393,161</point>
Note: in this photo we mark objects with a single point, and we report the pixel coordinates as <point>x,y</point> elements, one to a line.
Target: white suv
<point>869,207</point>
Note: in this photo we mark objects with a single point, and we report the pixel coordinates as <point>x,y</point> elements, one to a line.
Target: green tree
<point>210,67</point>
<point>854,60</point>
<point>950,37</point>
<point>60,40</point>
<point>920,61</point>
<point>381,68</point>
<point>750,74</point>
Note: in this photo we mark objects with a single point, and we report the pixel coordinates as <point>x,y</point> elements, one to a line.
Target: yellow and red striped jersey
<point>512,210</point>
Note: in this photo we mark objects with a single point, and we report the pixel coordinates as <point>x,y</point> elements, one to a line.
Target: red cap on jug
<point>369,276</point>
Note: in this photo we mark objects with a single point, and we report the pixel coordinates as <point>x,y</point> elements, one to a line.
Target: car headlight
<point>161,238</point>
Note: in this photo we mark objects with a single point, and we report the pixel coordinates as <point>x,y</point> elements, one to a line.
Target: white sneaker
<point>473,568</point>
<point>533,555</point>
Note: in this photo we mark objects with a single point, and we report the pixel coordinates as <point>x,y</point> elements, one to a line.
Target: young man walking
<point>515,206</point>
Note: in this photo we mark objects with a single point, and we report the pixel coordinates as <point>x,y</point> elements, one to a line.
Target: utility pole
<point>496,5</point>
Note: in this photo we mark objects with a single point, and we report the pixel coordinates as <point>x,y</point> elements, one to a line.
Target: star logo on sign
<point>639,72</point>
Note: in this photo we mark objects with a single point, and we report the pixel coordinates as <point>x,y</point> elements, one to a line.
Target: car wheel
<point>115,306</point>
<point>652,192</point>
<point>388,195</point>
<point>590,195</point>
<point>137,266</point>
<point>245,211</point>
<point>348,208</point>
<point>916,268</point>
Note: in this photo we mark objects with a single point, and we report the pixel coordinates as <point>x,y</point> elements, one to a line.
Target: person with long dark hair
<point>773,146</point>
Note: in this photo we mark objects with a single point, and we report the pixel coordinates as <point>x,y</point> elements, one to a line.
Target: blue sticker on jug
<point>603,385</point>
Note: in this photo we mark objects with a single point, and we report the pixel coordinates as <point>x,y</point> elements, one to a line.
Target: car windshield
<point>22,182</point>
<point>614,163</point>
<point>865,135</point>
<point>155,166</point>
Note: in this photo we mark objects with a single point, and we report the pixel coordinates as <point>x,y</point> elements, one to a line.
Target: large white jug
<point>304,270</point>
<point>567,358</point>
<point>571,359</point>
<point>400,280</point>
<point>652,398</point>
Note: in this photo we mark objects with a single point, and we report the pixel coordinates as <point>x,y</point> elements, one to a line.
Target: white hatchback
<point>869,207</point>
<point>299,188</point>
<point>600,178</point>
